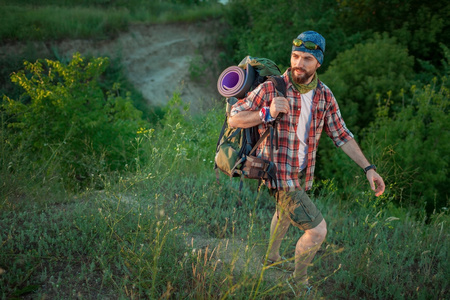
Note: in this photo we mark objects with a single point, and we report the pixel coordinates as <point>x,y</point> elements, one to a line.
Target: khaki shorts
<point>300,209</point>
<point>302,212</point>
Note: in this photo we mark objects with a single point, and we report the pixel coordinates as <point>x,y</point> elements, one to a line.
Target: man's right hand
<point>279,105</point>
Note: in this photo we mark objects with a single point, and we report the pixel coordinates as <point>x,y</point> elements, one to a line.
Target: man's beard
<point>303,78</point>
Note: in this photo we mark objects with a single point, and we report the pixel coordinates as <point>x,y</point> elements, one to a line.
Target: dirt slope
<point>156,59</point>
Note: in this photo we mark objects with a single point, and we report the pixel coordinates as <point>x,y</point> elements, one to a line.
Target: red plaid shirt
<point>325,115</point>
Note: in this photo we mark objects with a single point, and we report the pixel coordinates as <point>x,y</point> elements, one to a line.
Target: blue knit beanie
<point>316,38</point>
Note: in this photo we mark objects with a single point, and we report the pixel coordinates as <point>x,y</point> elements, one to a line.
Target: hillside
<point>156,59</point>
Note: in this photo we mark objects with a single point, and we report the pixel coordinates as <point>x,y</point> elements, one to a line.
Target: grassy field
<point>28,20</point>
<point>162,228</point>
<point>168,230</point>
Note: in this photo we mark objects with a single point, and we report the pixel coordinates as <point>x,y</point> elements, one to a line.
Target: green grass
<point>168,230</point>
<point>53,22</point>
<point>49,20</point>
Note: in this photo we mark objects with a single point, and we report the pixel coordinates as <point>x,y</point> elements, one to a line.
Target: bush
<point>358,76</point>
<point>410,150</point>
<point>415,147</point>
<point>65,124</point>
<point>421,31</point>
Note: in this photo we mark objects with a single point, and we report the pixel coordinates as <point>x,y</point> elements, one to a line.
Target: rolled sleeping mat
<point>235,81</point>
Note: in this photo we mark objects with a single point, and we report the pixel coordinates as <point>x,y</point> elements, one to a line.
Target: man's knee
<point>319,232</point>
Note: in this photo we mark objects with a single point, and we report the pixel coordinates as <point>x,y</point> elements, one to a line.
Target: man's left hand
<point>376,182</point>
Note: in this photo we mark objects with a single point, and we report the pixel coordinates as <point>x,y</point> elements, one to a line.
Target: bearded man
<point>308,108</point>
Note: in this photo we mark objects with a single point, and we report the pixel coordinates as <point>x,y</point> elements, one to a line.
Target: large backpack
<point>236,147</point>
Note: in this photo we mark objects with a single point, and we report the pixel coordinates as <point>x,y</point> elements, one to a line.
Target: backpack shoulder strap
<point>280,86</point>
<point>279,83</point>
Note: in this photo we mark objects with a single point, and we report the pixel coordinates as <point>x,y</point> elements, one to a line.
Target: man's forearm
<point>352,149</point>
<point>245,119</point>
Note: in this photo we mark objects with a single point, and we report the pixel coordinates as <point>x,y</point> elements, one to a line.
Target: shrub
<point>65,124</point>
<point>359,75</point>
<point>415,146</point>
<point>410,150</point>
<point>421,31</point>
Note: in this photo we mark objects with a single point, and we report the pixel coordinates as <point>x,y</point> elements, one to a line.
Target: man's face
<point>303,67</point>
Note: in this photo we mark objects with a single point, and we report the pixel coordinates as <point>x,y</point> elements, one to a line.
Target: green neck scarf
<point>304,88</point>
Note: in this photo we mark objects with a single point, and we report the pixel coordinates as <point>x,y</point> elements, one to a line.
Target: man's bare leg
<point>280,223</point>
<point>306,249</point>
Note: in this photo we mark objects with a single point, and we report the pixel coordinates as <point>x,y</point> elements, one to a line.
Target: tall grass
<point>387,252</point>
<point>25,23</point>
<point>50,20</point>
<point>168,230</point>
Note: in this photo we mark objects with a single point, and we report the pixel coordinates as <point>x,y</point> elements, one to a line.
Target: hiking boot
<point>283,264</point>
<point>299,287</point>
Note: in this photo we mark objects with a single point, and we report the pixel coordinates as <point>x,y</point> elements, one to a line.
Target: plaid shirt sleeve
<point>255,99</point>
<point>335,126</point>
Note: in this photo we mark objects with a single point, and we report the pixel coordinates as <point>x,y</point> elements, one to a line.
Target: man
<point>308,108</point>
